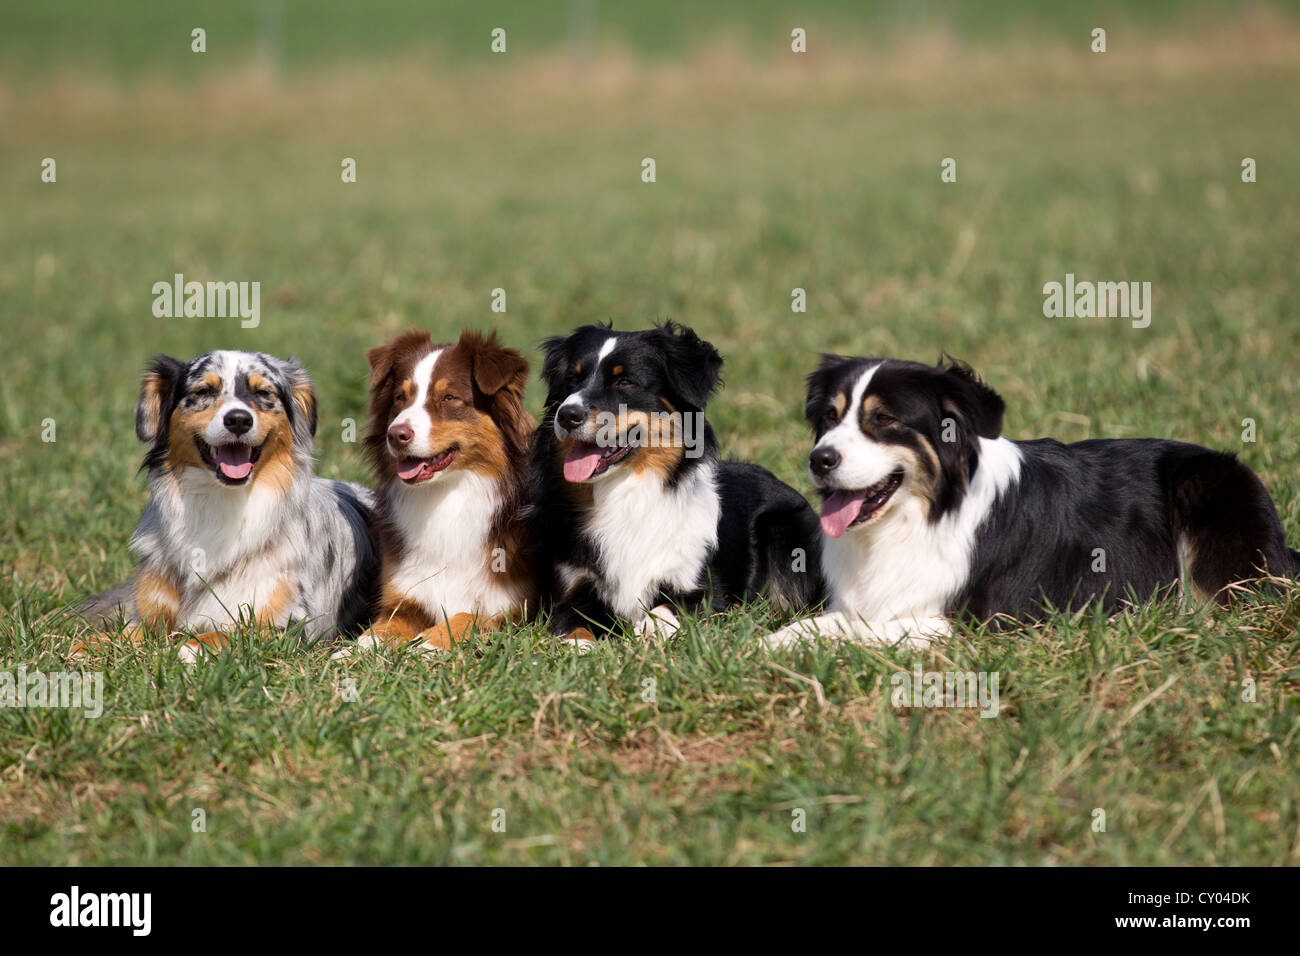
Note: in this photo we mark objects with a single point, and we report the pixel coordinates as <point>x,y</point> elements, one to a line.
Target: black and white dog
<point>635,515</point>
<point>930,513</point>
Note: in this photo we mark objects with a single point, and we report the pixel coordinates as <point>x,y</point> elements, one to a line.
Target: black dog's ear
<point>301,404</point>
<point>979,407</point>
<point>157,396</point>
<point>819,387</point>
<point>692,366</point>
<point>555,357</point>
<point>555,363</point>
<point>558,351</point>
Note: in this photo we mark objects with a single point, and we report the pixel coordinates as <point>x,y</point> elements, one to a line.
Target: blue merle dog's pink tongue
<point>235,461</point>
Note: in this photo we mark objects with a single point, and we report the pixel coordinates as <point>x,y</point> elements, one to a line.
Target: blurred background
<point>305,34</point>
<point>522,171</point>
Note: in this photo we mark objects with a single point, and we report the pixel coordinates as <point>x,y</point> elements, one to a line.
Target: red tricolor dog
<point>448,441</point>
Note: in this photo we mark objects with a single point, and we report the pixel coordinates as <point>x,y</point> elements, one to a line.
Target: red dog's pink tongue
<point>408,468</point>
<point>840,510</point>
<point>235,461</point>
<point>581,461</point>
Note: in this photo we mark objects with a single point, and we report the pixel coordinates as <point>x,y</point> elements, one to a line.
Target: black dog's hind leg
<point>788,565</point>
<point>1226,525</point>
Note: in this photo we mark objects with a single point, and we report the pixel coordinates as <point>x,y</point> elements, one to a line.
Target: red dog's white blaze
<point>448,443</point>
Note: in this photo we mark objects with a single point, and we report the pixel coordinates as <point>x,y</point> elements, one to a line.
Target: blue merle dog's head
<point>234,418</point>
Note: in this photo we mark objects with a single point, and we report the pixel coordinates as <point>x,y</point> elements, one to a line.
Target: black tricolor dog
<point>636,517</point>
<point>929,512</point>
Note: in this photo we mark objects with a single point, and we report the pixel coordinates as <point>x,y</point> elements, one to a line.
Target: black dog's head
<point>236,418</point>
<point>887,429</point>
<point>628,399</point>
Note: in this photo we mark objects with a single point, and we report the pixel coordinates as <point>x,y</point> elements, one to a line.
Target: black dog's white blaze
<point>624,531</point>
<point>930,513</point>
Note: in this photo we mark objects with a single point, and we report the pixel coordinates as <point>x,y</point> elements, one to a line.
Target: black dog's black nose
<point>571,416</point>
<point>824,460</point>
<point>237,421</point>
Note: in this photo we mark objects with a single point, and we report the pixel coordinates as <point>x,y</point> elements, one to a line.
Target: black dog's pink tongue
<point>840,510</point>
<point>581,461</point>
<point>235,461</point>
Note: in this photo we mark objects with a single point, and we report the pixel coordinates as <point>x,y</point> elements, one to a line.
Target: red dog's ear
<point>494,367</point>
<point>381,363</point>
<point>382,358</point>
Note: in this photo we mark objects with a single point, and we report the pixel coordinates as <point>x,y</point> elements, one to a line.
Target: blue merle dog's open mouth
<point>233,463</point>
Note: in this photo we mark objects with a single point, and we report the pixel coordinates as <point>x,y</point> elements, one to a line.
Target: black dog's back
<point>1109,519</point>
<point>768,541</point>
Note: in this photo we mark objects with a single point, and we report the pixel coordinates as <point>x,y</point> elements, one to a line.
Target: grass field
<point>773,172</point>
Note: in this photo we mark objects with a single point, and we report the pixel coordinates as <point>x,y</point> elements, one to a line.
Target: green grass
<point>772,173</point>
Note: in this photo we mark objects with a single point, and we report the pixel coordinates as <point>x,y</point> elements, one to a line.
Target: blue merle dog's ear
<point>301,406</point>
<point>977,407</point>
<point>693,366</point>
<point>157,396</point>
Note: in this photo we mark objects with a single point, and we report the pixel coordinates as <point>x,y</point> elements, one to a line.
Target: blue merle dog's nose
<point>237,421</point>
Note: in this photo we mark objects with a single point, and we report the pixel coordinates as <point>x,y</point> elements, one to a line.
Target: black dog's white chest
<point>649,537</point>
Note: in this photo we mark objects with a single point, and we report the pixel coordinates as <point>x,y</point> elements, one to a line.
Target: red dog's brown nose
<point>400,434</point>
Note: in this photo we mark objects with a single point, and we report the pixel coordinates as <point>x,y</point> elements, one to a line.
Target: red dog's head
<point>438,408</point>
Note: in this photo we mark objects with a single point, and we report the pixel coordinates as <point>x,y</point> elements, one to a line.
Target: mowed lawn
<point>774,172</point>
